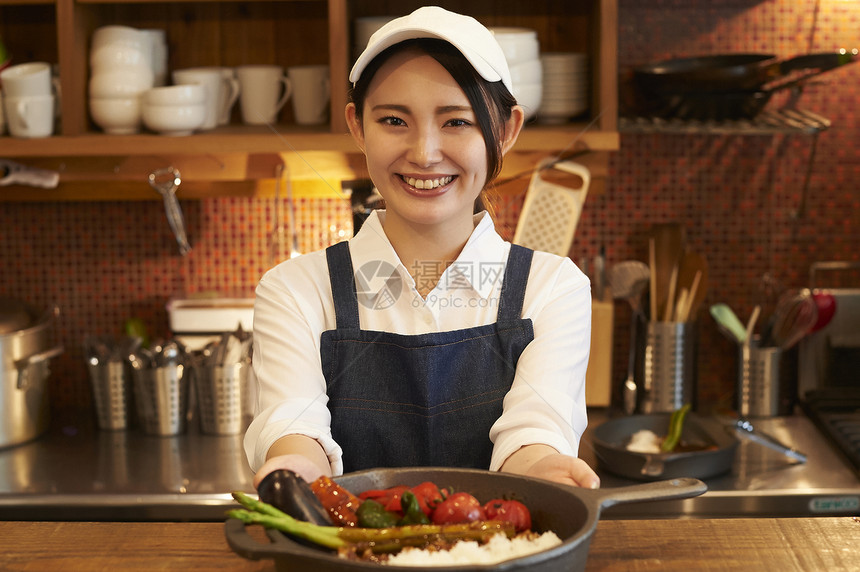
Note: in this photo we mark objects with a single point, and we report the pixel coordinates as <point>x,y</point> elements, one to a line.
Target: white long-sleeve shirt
<point>546,402</point>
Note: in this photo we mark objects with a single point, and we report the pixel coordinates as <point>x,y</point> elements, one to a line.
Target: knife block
<point>598,376</point>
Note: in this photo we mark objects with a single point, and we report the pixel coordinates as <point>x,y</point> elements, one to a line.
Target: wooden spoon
<point>668,249</point>
<point>693,275</point>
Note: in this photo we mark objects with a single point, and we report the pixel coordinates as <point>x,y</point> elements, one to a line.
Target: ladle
<point>628,280</point>
<point>166,181</point>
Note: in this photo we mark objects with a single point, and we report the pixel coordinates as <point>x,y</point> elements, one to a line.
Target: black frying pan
<point>730,72</point>
<point>723,87</point>
<point>570,512</point>
<point>610,441</point>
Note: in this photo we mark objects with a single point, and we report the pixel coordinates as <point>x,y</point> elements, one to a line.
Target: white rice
<point>644,441</point>
<point>498,549</point>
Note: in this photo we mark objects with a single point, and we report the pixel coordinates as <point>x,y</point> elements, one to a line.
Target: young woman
<point>425,340</point>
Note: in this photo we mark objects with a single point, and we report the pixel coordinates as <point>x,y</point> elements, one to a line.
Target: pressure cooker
<point>25,354</point>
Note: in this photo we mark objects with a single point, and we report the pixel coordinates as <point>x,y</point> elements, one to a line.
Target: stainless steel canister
<point>112,393</point>
<point>669,376</point>
<point>222,391</point>
<point>766,382</point>
<point>161,396</point>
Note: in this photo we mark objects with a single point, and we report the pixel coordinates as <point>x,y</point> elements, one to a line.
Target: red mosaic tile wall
<point>738,197</point>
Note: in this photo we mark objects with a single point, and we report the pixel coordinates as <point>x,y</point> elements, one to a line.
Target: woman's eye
<point>391,120</point>
<point>459,123</point>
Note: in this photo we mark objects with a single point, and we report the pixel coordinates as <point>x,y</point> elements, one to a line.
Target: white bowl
<point>530,71</point>
<point>185,94</point>
<point>518,44</point>
<point>365,27</point>
<point>120,82</point>
<point>118,116</point>
<point>174,119</point>
<point>124,35</point>
<point>119,55</point>
<point>529,97</point>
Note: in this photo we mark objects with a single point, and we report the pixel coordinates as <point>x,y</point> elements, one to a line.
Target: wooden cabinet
<point>237,159</point>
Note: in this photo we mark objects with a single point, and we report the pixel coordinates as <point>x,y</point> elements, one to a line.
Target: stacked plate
<point>522,51</point>
<point>565,86</point>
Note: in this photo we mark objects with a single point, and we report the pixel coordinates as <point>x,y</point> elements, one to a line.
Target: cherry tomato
<point>428,495</point>
<point>458,507</point>
<point>510,511</point>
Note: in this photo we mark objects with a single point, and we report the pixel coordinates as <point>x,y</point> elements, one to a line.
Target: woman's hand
<point>566,470</point>
<point>544,462</point>
<point>299,464</point>
<point>302,455</point>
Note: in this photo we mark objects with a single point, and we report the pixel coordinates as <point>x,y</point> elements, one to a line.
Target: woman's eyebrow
<point>391,107</point>
<point>439,110</point>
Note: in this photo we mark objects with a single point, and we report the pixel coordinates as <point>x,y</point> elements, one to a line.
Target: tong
<point>746,429</point>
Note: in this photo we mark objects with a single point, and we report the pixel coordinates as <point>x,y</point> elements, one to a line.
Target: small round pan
<point>610,446</point>
<point>570,512</point>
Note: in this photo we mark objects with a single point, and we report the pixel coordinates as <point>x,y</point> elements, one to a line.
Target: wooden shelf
<point>227,161</point>
<point>277,139</point>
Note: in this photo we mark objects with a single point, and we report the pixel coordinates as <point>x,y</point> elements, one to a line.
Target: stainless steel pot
<point>25,355</point>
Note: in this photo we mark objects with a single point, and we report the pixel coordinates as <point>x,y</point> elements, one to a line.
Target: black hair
<point>491,102</point>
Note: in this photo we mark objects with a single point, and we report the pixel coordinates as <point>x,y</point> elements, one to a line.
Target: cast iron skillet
<point>571,512</point>
<point>611,437</point>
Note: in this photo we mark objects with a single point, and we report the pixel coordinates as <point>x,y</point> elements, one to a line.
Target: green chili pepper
<point>372,514</point>
<point>676,427</point>
<point>412,513</point>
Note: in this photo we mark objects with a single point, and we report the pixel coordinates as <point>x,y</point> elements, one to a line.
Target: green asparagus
<point>378,540</point>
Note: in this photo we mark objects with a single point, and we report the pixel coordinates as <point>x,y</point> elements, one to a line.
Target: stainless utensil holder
<point>669,373</point>
<point>161,395</point>
<point>759,381</point>
<point>222,393</point>
<point>112,394</point>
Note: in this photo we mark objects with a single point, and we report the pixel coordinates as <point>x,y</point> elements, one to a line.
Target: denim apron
<point>420,400</point>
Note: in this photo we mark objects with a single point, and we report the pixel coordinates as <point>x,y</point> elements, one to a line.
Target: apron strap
<point>342,279</point>
<point>514,283</point>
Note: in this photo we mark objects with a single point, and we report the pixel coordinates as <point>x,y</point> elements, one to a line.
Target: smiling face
<point>425,151</point>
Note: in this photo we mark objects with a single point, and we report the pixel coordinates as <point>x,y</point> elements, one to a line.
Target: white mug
<point>29,79</point>
<point>158,39</point>
<point>30,116</point>
<point>264,92</point>
<point>311,93</point>
<point>230,90</point>
<point>213,80</point>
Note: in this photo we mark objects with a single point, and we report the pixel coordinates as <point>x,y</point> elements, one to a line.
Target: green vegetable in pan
<point>676,427</point>
<point>372,514</point>
<point>379,540</point>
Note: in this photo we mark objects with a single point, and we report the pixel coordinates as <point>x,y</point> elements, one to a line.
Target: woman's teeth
<point>426,184</point>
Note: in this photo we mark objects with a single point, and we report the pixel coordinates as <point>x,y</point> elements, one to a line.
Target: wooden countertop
<point>813,544</point>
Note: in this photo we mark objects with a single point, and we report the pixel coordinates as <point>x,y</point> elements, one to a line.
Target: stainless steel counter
<point>78,473</point>
<point>762,482</point>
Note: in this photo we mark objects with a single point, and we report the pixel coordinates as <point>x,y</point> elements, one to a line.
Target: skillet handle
<point>249,547</point>
<point>658,490</point>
